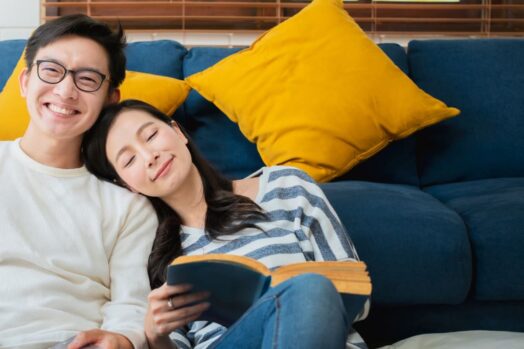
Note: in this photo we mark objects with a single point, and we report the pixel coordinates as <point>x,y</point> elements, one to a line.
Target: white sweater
<point>73,254</point>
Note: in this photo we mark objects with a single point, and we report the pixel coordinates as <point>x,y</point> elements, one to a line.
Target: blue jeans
<point>303,312</point>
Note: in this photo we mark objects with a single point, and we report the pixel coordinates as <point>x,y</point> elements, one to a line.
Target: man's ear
<point>114,96</point>
<point>23,80</point>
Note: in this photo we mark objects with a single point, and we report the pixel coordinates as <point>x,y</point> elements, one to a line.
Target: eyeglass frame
<point>73,72</point>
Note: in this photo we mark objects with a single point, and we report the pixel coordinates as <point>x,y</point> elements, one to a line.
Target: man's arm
<point>100,339</point>
<point>124,314</point>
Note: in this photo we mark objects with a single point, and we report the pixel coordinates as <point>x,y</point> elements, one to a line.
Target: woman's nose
<point>151,158</point>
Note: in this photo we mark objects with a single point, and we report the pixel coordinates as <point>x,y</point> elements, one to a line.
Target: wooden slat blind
<point>377,17</point>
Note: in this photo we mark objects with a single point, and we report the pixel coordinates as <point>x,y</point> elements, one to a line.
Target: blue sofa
<point>439,216</point>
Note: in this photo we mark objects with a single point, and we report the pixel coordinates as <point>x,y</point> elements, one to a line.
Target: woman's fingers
<point>165,291</point>
<point>172,307</point>
<point>179,301</point>
<point>168,322</point>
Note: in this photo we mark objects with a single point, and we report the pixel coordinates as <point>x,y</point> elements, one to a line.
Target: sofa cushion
<point>397,162</point>
<point>218,138</point>
<point>484,78</point>
<point>10,51</point>
<point>416,248</point>
<point>493,210</point>
<point>316,93</point>
<point>235,156</point>
<point>162,57</point>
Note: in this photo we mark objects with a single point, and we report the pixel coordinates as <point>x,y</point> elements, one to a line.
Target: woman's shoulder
<point>272,179</point>
<point>247,187</point>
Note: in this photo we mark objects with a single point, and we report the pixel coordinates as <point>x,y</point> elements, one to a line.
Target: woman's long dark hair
<point>227,213</point>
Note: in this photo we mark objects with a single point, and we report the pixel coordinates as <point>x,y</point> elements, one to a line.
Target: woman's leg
<point>303,312</point>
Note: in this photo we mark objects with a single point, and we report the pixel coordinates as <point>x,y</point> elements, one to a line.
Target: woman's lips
<point>163,169</point>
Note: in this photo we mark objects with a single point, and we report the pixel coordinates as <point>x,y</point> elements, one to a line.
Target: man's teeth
<point>60,110</point>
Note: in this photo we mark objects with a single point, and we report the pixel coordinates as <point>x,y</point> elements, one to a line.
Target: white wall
<point>18,18</point>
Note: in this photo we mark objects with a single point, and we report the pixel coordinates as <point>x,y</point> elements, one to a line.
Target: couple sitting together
<point>84,256</point>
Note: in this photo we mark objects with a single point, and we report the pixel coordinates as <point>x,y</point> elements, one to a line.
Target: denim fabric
<point>11,50</point>
<point>303,312</point>
<point>417,249</point>
<point>493,211</point>
<point>484,78</point>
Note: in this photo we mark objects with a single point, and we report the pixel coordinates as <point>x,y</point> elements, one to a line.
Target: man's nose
<point>67,88</point>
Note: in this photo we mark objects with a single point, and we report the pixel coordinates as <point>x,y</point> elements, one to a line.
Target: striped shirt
<point>301,226</point>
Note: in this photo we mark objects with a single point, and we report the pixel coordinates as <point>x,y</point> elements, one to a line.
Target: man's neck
<point>53,152</point>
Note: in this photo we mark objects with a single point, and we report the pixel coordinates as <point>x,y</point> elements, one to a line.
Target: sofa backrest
<point>10,51</point>
<point>484,78</point>
<point>218,138</point>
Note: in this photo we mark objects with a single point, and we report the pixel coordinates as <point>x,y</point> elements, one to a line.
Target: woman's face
<point>150,156</point>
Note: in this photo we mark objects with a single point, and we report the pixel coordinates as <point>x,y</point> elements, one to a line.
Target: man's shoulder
<point>4,147</point>
<point>116,192</point>
<point>5,155</point>
<point>117,197</point>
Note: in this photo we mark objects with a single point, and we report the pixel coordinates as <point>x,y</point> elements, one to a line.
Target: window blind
<point>482,18</point>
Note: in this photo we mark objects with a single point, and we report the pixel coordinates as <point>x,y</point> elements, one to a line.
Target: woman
<point>279,217</point>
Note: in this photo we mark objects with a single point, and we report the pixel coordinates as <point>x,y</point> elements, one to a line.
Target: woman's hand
<point>171,307</point>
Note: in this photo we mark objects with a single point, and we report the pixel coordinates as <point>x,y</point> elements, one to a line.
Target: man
<point>73,249</point>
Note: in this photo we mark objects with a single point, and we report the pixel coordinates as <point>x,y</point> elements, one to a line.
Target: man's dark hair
<point>81,25</point>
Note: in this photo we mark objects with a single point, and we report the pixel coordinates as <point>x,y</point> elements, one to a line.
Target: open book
<point>236,282</point>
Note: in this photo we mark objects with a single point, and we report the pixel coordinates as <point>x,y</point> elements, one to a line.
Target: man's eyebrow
<point>51,59</point>
<point>137,133</point>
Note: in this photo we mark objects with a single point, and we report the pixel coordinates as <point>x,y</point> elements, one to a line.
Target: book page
<point>247,262</point>
<point>347,276</point>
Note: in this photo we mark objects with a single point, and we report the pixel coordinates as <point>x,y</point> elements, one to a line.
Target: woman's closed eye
<point>130,161</point>
<point>152,135</point>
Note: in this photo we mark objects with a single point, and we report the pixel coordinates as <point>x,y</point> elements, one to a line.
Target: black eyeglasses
<point>87,80</point>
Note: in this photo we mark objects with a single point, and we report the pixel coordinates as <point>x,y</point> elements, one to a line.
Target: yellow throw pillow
<point>163,92</point>
<point>316,93</point>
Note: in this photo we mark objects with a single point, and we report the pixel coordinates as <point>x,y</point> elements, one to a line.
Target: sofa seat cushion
<point>484,78</point>
<point>416,248</point>
<point>493,210</point>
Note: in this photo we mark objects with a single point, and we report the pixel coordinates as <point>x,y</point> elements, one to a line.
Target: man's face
<point>62,111</point>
